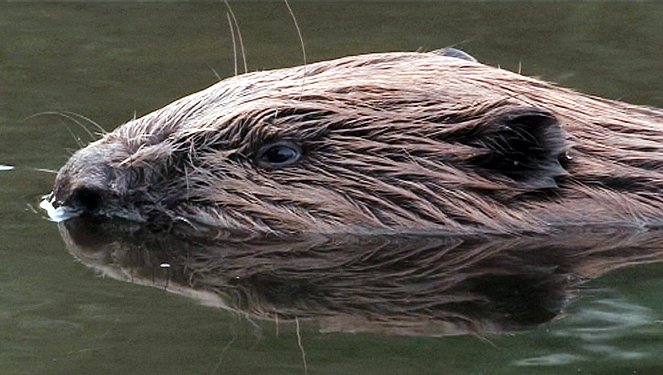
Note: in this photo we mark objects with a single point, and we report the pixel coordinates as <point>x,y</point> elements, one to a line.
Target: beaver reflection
<point>396,284</point>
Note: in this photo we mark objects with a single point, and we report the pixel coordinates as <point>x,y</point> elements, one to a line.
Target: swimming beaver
<point>391,142</point>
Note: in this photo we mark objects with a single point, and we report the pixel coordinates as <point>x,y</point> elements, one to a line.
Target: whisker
<point>216,74</point>
<point>301,347</point>
<point>299,31</point>
<point>51,171</point>
<point>101,130</point>
<point>32,208</point>
<point>301,41</point>
<point>457,44</point>
<point>239,35</point>
<point>76,138</point>
<point>222,354</point>
<point>68,116</point>
<point>232,36</point>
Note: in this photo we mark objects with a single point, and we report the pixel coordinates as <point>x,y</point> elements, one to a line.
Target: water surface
<point>110,62</point>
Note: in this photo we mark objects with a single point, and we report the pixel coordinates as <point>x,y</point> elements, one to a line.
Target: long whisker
<point>101,130</point>
<point>44,170</point>
<point>77,139</point>
<point>301,41</point>
<point>299,31</point>
<point>68,116</point>
<point>232,36</point>
<point>239,35</point>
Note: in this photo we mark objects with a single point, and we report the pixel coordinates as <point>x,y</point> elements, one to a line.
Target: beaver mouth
<point>84,202</point>
<point>64,203</point>
<point>56,211</point>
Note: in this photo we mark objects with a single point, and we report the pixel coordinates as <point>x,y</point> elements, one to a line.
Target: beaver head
<point>412,142</point>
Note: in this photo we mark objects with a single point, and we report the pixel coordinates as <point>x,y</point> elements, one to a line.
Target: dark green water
<point>109,61</point>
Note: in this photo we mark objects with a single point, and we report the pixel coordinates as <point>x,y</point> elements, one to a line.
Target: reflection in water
<point>395,284</point>
<point>603,327</point>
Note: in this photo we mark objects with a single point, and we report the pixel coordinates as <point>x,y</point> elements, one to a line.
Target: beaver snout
<point>82,195</point>
<point>84,184</point>
<point>96,182</point>
<point>85,199</point>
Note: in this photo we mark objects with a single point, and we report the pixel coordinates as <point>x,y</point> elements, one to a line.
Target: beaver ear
<point>524,144</point>
<point>456,53</point>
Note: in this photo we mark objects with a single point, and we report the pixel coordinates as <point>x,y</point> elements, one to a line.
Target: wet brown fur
<point>393,142</point>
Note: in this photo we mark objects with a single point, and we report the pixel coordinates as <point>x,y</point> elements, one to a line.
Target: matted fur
<point>394,142</point>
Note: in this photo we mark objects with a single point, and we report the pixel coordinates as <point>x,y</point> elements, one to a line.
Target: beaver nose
<point>82,187</point>
<point>86,199</point>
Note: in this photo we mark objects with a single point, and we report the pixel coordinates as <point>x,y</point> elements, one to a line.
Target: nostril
<point>87,199</point>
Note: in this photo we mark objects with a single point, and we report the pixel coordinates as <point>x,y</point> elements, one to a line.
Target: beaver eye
<point>278,154</point>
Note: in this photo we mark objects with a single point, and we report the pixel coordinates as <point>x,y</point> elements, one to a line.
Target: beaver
<point>405,142</point>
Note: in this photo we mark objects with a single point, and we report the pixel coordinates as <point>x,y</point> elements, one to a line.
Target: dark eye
<point>278,154</point>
